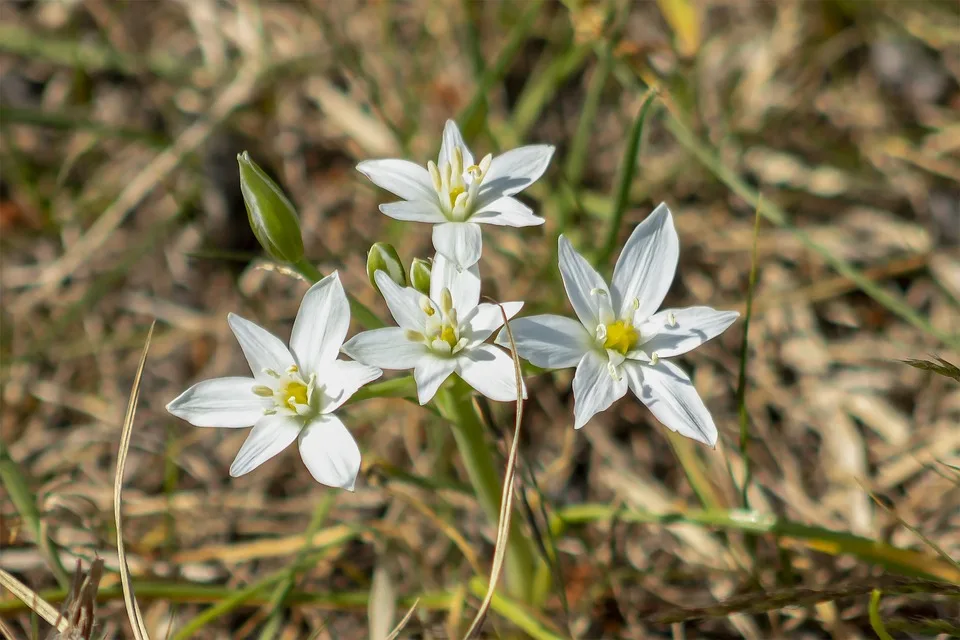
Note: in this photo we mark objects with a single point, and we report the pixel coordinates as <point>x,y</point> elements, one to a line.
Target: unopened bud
<point>383,257</point>
<point>420,275</point>
<point>272,216</point>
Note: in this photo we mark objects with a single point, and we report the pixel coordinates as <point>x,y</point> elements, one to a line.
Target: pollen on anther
<point>263,391</point>
<point>654,358</point>
<point>671,319</point>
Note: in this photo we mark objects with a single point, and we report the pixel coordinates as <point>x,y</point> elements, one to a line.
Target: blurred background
<point>120,123</point>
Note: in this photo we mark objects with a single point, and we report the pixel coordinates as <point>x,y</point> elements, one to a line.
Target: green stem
<point>456,405</point>
<point>367,318</point>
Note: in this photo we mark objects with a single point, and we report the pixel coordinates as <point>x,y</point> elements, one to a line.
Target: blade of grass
<point>506,499</point>
<point>628,166</point>
<point>904,561</point>
<point>514,612</point>
<point>755,603</point>
<point>34,602</point>
<point>25,502</point>
<point>876,622</point>
<point>403,622</point>
<point>129,599</point>
<point>742,375</point>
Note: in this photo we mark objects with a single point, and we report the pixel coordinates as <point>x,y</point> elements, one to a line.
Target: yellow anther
<point>654,358</point>
<point>263,391</point>
<point>620,337</point>
<point>671,319</point>
<point>636,303</point>
<point>425,306</point>
<point>413,336</point>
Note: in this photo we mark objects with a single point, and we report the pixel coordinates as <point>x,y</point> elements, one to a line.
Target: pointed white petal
<point>221,402</point>
<point>400,177</point>
<point>672,398</point>
<point>321,325</point>
<point>514,171</point>
<point>403,302</point>
<point>647,264</point>
<point>595,388</point>
<point>548,341</point>
<point>459,241</point>
<point>490,371</point>
<point>269,436</point>
<point>463,282</point>
<point>430,373</point>
<point>262,349</point>
<point>689,328</point>
<point>414,211</point>
<point>487,318</point>
<point>452,139</point>
<point>341,379</point>
<point>330,452</point>
<point>583,284</point>
<point>506,212</point>
<point>387,348</point>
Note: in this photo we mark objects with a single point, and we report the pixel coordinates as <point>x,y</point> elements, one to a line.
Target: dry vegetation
<point>119,203</point>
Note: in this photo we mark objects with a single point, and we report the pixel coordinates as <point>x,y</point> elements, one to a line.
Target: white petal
<point>387,348</point>
<point>690,328</point>
<point>341,379</point>
<point>262,349</point>
<point>330,452</point>
<point>487,318</point>
<point>459,241</point>
<point>506,212</point>
<point>490,371</point>
<point>672,398</point>
<point>321,325</point>
<point>595,388</point>
<point>514,171</point>
<point>269,436</point>
<point>430,373</point>
<point>583,284</point>
<point>413,211</point>
<point>403,302</point>
<point>452,139</point>
<point>463,283</point>
<point>647,264</point>
<point>548,341</point>
<point>221,402</point>
<point>400,177</point>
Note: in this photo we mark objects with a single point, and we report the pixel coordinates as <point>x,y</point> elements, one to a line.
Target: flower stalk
<point>456,405</point>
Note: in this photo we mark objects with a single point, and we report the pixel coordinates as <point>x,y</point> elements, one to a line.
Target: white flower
<point>620,341</point>
<point>457,195</point>
<point>293,392</point>
<point>441,334</point>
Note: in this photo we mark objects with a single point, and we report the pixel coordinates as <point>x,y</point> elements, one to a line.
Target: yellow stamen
<point>621,337</point>
<point>455,193</point>
<point>449,335</point>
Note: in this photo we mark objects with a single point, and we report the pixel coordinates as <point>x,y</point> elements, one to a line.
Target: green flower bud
<point>383,257</point>
<point>420,275</point>
<point>271,214</point>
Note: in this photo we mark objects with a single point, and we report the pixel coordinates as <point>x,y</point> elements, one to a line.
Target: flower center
<point>292,395</point>
<point>442,333</point>
<point>621,337</point>
<point>457,187</point>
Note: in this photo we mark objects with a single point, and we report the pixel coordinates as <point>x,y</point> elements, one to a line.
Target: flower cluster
<point>619,340</point>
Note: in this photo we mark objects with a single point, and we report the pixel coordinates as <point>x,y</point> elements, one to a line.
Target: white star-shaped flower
<point>293,392</point>
<point>620,340</point>
<point>457,195</point>
<point>440,334</point>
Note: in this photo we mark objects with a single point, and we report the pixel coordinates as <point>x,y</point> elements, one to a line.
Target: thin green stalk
<point>456,405</point>
<point>367,318</point>
<point>514,612</point>
<point>742,377</point>
<point>625,179</point>
<point>282,591</point>
<point>875,620</point>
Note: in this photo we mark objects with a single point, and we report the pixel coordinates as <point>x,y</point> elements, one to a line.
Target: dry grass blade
<point>506,501</point>
<point>79,610</point>
<point>944,368</point>
<point>403,623</point>
<point>37,604</point>
<point>133,609</point>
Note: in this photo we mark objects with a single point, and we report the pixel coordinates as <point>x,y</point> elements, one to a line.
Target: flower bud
<point>383,257</point>
<point>420,275</point>
<point>272,216</point>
